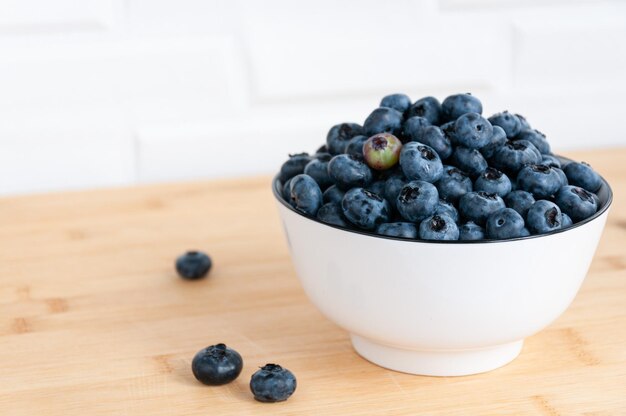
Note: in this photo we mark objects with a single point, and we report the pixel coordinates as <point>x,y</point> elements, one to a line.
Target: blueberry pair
<point>218,364</point>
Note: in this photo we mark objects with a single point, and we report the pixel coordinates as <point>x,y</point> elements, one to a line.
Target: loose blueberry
<point>417,200</point>
<point>383,120</point>
<point>471,161</point>
<point>349,171</point>
<point>331,213</point>
<point>448,209</point>
<point>193,265</point>
<point>544,216</point>
<point>412,128</point>
<point>355,146</point>
<point>498,139</point>
<point>511,157</point>
<point>434,137</point>
<point>272,383</point>
<point>216,365</point>
<point>453,184</point>
<point>576,202</point>
<point>551,161</point>
<point>339,135</point>
<point>305,194</point>
<point>493,181</point>
<point>420,162</point>
<point>398,229</point>
<point>581,174</point>
<point>438,227</point>
<point>510,123</point>
<point>471,232</point>
<point>427,107</point>
<point>318,170</point>
<point>333,194</point>
<point>294,166</point>
<point>365,209</point>
<point>400,102</point>
<point>455,106</point>
<point>478,206</point>
<point>472,131</point>
<point>505,223</point>
<point>540,180</point>
<point>382,151</point>
<point>537,138</point>
<point>520,201</point>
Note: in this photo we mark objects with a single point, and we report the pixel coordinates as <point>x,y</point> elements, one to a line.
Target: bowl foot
<point>437,362</point>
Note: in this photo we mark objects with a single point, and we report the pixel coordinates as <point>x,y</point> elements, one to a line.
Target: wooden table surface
<point>94,320</point>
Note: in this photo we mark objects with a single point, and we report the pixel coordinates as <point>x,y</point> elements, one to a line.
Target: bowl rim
<point>278,195</point>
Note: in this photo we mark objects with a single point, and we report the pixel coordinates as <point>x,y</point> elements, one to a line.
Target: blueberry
<point>434,137</point>
<point>427,107</point>
<point>349,171</point>
<point>505,223</point>
<point>216,365</point>
<point>339,135</point>
<point>438,227</point>
<point>333,194</point>
<point>498,139</point>
<point>581,174</point>
<point>272,383</point>
<point>551,161</point>
<point>355,146</point>
<point>193,265</point>
<point>398,229</point>
<point>322,149</point>
<point>510,123</point>
<point>294,166</point>
<point>472,131</point>
<point>382,151</point>
<point>576,202</point>
<point>493,181</point>
<point>331,213</point>
<point>471,161</point>
<point>544,216</point>
<point>420,162</point>
<point>478,206</point>
<point>377,187</point>
<point>393,186</point>
<point>456,105</point>
<point>471,231</point>
<point>448,130</point>
<point>400,102</point>
<point>383,120</point>
<point>446,208</point>
<point>523,122</point>
<point>365,209</point>
<point>412,128</point>
<point>511,157</point>
<point>537,138</point>
<point>567,221</point>
<point>305,195</point>
<point>318,170</point>
<point>540,180</point>
<point>287,190</point>
<point>562,177</point>
<point>520,201</point>
<point>417,200</point>
<point>453,184</point>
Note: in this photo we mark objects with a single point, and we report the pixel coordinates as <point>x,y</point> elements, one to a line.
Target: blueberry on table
<point>471,130</point>
<point>365,209</point>
<point>537,138</point>
<point>339,135</point>
<point>382,151</point>
<point>272,383</point>
<point>520,201</point>
<point>400,102</point>
<point>470,161</point>
<point>497,139</point>
<point>355,146</point>
<point>540,180</point>
<point>349,171</point>
<point>305,194</point>
<point>383,120</point>
<point>453,184</point>
<point>493,181</point>
<point>420,162</point>
<point>510,123</point>
<point>438,227</point>
<point>417,200</point>
<point>544,216</point>
<point>434,137</point>
<point>576,202</point>
<point>478,206</point>
<point>193,265</point>
<point>505,223</point>
<point>471,231</point>
<point>398,229</point>
<point>456,105</point>
<point>427,107</point>
<point>581,174</point>
<point>216,365</point>
<point>294,166</point>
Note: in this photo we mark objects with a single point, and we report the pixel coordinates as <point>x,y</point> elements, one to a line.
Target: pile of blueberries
<point>440,171</point>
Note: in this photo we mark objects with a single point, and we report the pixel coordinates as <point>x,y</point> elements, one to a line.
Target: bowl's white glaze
<point>440,308</point>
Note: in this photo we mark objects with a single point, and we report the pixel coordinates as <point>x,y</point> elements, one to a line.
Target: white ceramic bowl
<point>440,308</point>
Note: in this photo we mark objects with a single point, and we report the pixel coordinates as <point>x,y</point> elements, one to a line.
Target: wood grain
<point>93,319</point>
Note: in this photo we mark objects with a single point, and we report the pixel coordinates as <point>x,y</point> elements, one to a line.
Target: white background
<point>116,92</point>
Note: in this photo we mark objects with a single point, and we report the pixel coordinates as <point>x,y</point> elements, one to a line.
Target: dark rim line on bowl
<point>609,200</point>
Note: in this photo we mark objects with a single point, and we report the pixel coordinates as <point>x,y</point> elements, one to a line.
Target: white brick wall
<point>115,92</point>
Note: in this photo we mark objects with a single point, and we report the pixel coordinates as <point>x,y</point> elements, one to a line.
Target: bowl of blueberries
<point>437,237</point>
